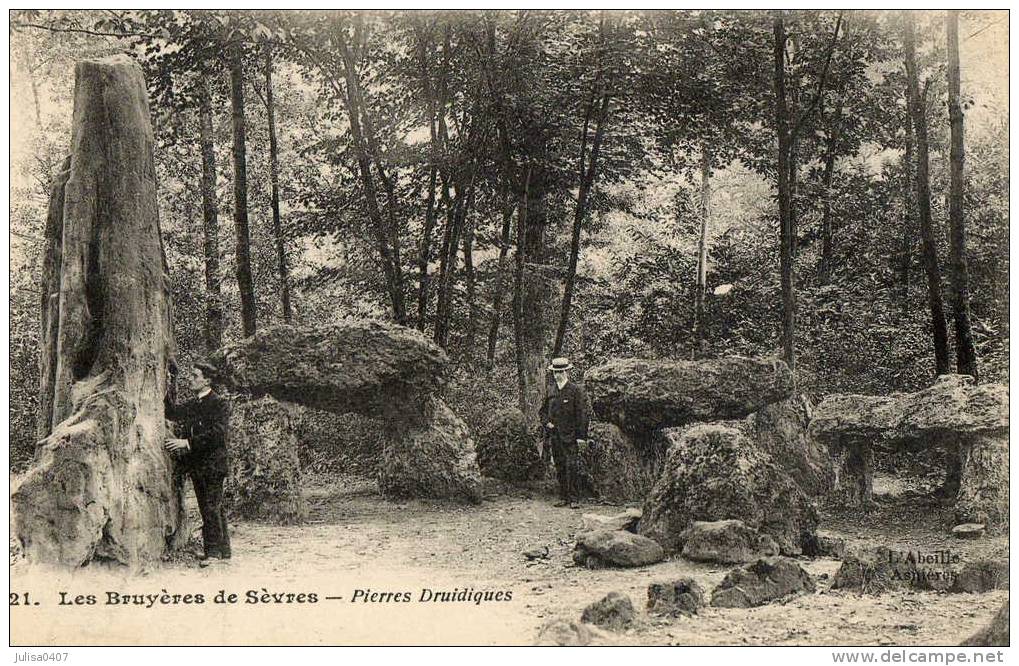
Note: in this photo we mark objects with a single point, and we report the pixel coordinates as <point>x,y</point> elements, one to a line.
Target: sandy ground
<point>355,540</point>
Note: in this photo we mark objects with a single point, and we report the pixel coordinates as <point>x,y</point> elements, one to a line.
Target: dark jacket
<point>567,410</point>
<point>203,422</point>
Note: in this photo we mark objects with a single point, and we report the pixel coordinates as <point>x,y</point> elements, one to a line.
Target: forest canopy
<point>519,184</point>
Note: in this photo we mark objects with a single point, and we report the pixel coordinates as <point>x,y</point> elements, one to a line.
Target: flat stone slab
<point>953,406</point>
<point>368,367</point>
<point>969,531</point>
<point>641,395</point>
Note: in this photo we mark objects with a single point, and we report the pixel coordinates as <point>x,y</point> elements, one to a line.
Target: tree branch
<point>820,82</point>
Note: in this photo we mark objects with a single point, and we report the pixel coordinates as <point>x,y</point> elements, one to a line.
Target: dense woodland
<point>825,187</point>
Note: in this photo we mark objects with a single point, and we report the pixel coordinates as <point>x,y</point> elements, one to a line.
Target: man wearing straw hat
<point>565,416</point>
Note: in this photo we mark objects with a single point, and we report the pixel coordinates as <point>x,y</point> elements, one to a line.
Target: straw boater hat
<point>560,364</point>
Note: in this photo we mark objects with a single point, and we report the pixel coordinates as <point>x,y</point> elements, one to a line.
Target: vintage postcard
<point>511,327</point>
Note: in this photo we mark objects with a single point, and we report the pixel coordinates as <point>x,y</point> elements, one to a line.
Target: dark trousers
<point>568,469</point>
<point>215,534</point>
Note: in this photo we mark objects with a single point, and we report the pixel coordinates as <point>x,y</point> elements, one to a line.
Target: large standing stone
<point>615,548</point>
<point>954,413</point>
<point>760,583</point>
<point>782,429</point>
<point>433,457</point>
<point>507,448</point>
<point>265,473</point>
<point>714,472</point>
<point>643,395</point>
<point>983,488</point>
<point>726,541</point>
<point>101,485</point>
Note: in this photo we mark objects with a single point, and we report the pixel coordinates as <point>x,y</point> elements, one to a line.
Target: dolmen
<point>969,420</point>
<point>731,444</point>
<point>381,370</point>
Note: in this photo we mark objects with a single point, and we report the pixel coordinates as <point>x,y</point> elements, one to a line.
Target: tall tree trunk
<point>456,222</point>
<point>827,233</point>
<point>909,215</point>
<point>965,352</point>
<point>784,198</point>
<point>101,486</point>
<point>518,295</point>
<point>242,234</point>
<point>274,187</point>
<point>470,278</point>
<point>587,175</point>
<point>538,294</point>
<point>425,249</point>
<point>500,279</point>
<point>917,110</point>
<point>210,226</point>
<point>702,248</point>
<point>434,156</point>
<point>388,256</point>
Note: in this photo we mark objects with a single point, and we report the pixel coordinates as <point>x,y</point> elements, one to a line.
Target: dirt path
<point>357,541</point>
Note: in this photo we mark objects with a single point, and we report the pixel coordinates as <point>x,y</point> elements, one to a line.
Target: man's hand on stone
<point>176,445</point>
<point>550,426</point>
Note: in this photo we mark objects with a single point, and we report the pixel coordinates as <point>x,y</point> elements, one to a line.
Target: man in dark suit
<point>565,415</point>
<point>202,424</point>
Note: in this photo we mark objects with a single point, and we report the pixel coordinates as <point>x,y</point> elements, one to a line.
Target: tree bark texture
<point>588,170</point>
<point>274,189</point>
<point>702,245</point>
<point>242,236</point>
<point>500,280</point>
<point>784,199</point>
<point>918,113</point>
<point>908,214</point>
<point>965,352</point>
<point>388,253</point>
<point>537,295</point>
<point>101,485</point>
<point>210,225</point>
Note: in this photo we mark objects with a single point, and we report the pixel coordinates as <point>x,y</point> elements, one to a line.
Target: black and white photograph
<point>510,327</point>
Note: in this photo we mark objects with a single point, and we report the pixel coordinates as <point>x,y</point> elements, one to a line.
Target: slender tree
<point>242,235</point>
<point>702,245</point>
<point>784,195</point>
<point>965,352</point>
<point>908,214</point>
<point>500,274</point>
<point>210,219</point>
<point>917,110</point>
<point>274,188</point>
<point>588,166</point>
